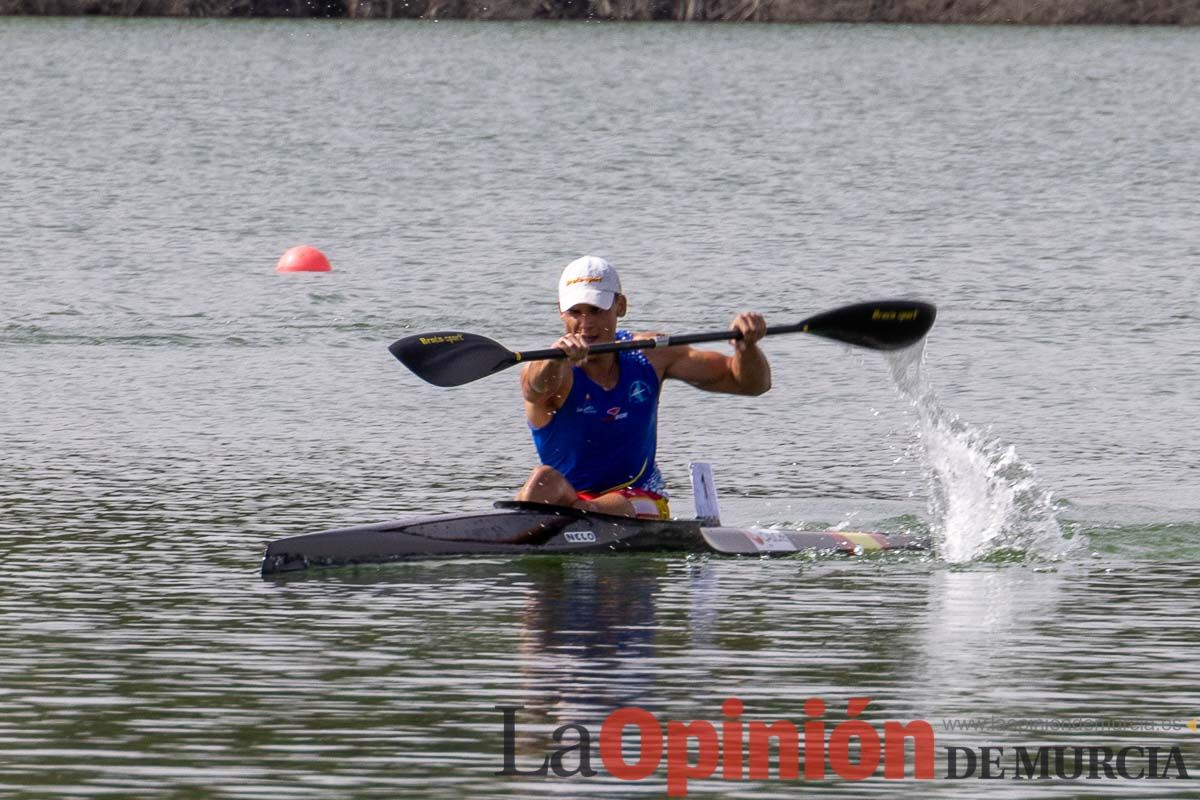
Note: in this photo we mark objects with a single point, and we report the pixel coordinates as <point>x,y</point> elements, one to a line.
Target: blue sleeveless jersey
<point>602,439</point>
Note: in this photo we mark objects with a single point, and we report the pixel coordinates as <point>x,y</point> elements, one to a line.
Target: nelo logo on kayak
<point>580,537</point>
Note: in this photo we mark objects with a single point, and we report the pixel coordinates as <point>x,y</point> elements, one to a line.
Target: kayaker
<point>594,420</point>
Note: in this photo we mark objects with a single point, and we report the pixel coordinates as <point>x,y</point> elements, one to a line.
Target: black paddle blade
<point>882,325</point>
<point>450,358</point>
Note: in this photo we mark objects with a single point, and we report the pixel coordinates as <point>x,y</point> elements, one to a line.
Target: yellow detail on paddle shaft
<point>458,337</point>
<point>879,315</point>
<point>864,540</point>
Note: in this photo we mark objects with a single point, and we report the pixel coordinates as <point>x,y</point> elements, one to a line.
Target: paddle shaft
<point>452,358</point>
<point>661,341</point>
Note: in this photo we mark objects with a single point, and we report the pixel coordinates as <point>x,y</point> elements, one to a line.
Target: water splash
<point>982,497</point>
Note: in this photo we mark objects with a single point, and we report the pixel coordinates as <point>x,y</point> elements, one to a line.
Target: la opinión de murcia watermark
<point>735,749</point>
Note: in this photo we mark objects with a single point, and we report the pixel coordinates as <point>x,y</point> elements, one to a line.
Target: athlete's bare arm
<point>745,372</point>
<point>546,384</point>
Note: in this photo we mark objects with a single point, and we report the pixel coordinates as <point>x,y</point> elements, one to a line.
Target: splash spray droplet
<point>982,496</point>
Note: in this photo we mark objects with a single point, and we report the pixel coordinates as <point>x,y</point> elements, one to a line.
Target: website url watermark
<point>1067,724</point>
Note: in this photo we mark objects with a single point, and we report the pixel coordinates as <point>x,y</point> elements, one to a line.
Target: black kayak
<point>517,528</point>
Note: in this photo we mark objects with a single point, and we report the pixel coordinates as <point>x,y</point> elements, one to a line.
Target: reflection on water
<point>586,621</point>
<point>387,678</point>
<point>988,622</point>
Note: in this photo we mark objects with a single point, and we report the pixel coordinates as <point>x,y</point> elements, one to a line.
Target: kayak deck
<point>516,528</point>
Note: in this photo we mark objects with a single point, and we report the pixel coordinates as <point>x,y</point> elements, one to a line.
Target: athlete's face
<point>594,324</point>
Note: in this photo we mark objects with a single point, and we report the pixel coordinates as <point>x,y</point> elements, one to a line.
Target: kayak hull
<point>530,528</point>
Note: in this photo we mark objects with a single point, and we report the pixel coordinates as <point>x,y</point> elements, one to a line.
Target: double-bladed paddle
<point>451,358</point>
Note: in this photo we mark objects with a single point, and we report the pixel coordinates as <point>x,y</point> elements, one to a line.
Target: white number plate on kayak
<point>579,537</point>
<point>766,541</point>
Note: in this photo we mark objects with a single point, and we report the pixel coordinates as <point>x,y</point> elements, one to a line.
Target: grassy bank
<point>1029,12</point>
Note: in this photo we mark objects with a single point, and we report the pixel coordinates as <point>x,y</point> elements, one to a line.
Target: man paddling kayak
<point>594,419</point>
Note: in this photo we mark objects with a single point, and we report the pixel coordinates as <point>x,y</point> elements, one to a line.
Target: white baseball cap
<point>590,280</point>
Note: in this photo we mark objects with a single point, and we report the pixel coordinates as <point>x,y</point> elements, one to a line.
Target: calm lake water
<point>171,404</point>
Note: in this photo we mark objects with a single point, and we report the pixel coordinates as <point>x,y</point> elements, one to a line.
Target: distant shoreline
<point>979,12</point>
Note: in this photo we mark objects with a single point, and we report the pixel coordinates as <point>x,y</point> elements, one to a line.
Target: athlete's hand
<point>574,346</point>
<point>753,328</point>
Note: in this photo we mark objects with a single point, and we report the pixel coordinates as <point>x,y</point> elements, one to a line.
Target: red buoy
<point>303,259</point>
